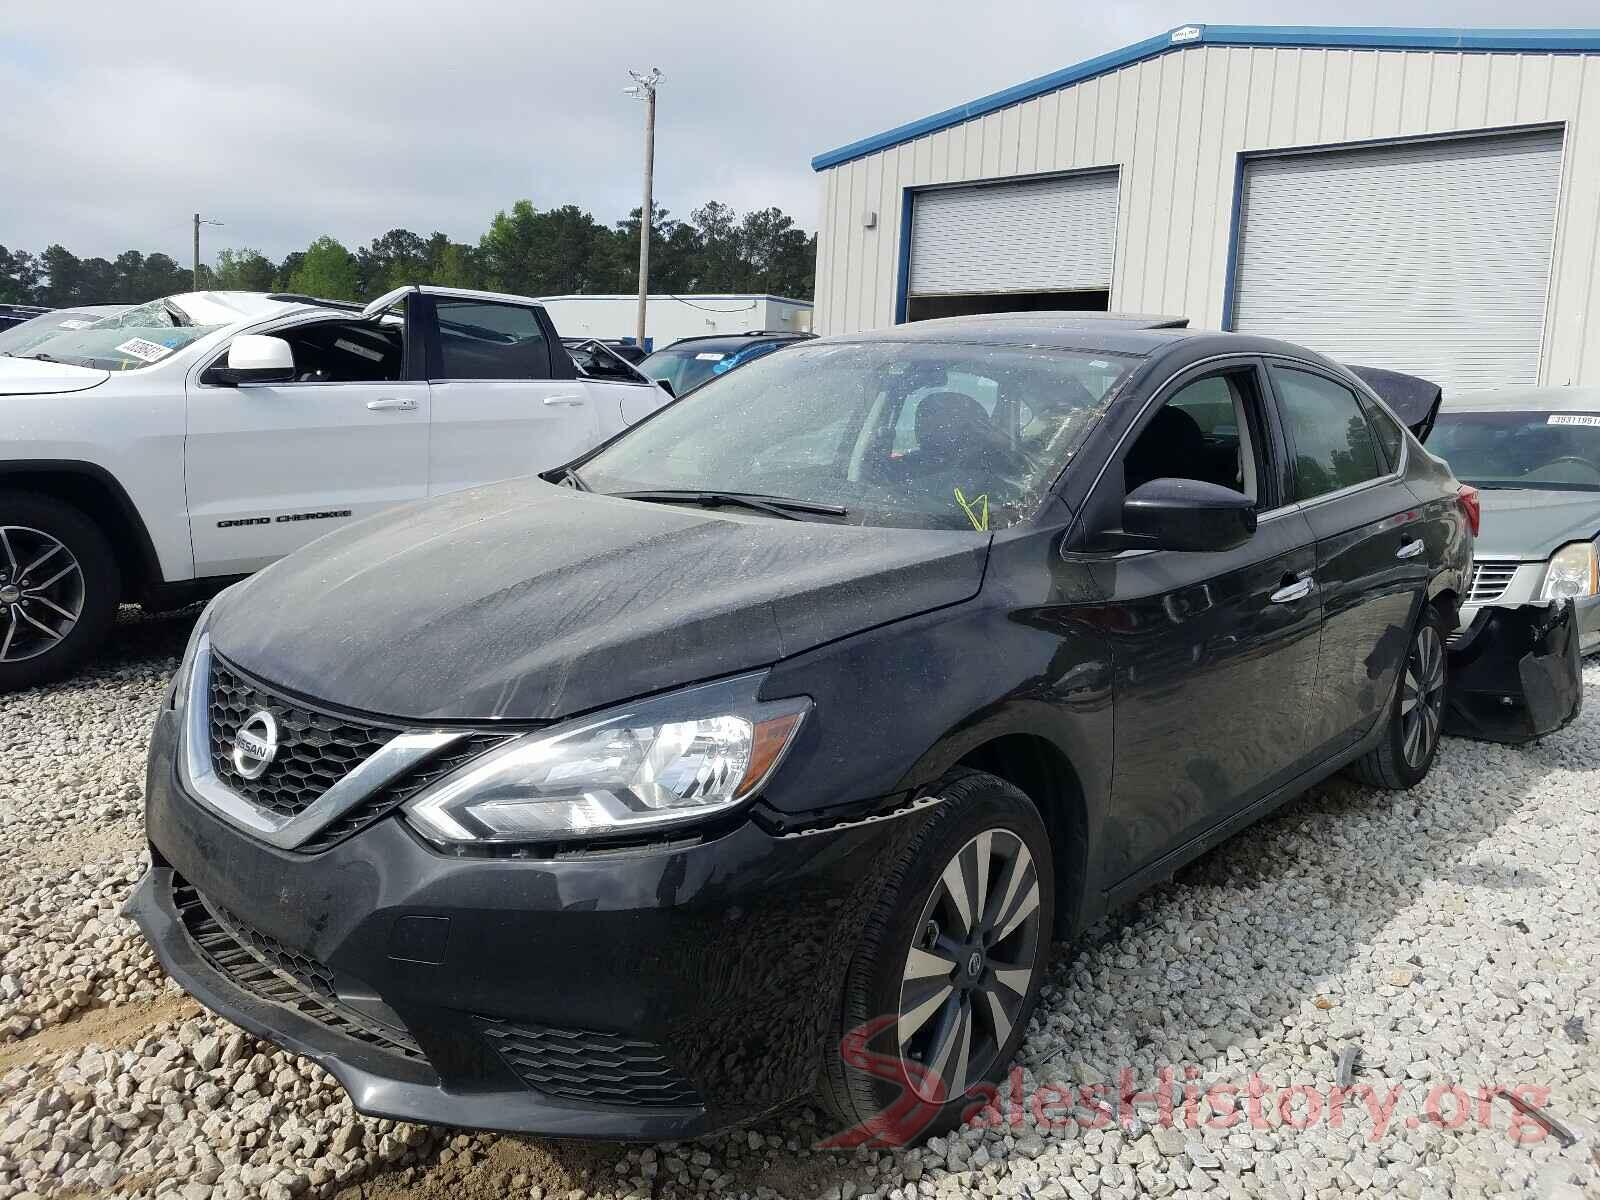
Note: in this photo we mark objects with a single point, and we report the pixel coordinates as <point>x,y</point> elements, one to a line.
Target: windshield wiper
<point>42,357</point>
<point>777,506</point>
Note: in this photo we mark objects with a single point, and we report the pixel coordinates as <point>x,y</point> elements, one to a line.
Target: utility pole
<point>197,223</point>
<point>644,88</point>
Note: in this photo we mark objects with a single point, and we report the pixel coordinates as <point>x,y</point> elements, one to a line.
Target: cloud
<point>299,118</point>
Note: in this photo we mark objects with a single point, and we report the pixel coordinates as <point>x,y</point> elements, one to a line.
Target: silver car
<point>1534,454</point>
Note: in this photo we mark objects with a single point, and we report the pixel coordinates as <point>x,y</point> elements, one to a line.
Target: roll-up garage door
<point>1044,235</point>
<point>1431,258</point>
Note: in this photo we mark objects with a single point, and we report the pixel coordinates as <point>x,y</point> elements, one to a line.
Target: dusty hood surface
<point>527,601</point>
<point>36,377</point>
<point>1528,523</point>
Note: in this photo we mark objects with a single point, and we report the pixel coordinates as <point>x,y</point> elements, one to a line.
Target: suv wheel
<point>947,972</point>
<point>1411,741</point>
<point>59,588</point>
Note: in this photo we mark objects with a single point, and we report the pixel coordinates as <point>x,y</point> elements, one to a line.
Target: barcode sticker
<point>1574,419</point>
<point>366,352</point>
<point>145,351</point>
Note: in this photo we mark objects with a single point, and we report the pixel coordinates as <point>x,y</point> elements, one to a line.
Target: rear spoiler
<point>1415,401</point>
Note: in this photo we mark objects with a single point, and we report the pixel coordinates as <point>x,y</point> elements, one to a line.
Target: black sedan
<point>765,750</point>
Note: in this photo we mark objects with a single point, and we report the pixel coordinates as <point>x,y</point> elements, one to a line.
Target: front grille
<point>1490,578</point>
<point>384,801</point>
<point>315,749</point>
<point>268,970</point>
<point>583,1064</point>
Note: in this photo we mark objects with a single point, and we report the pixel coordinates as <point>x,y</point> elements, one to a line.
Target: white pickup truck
<point>200,437</point>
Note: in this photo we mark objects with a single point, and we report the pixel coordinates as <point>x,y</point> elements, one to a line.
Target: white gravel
<point>1450,933</point>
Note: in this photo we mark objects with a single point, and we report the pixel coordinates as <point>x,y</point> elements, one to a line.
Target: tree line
<point>557,251</point>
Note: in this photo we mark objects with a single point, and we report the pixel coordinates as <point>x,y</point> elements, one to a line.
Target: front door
<point>1372,566</point>
<point>1214,654</point>
<point>269,467</point>
<point>498,412</point>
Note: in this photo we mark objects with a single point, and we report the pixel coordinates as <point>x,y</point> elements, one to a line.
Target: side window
<point>1203,431</point>
<point>347,351</point>
<point>1329,436</point>
<point>1390,436</point>
<point>483,340</point>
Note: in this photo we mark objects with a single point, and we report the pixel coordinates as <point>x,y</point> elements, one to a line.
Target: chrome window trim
<point>397,756</point>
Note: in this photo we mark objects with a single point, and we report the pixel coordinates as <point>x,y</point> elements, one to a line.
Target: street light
<point>644,88</point>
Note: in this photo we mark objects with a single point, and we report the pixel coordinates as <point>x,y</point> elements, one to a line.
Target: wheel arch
<point>96,493</point>
<point>1042,771</point>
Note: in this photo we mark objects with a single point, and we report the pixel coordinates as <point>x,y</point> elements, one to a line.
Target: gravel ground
<point>1449,933</point>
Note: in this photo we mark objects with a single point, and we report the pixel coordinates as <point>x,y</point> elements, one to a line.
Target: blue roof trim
<point>1544,41</point>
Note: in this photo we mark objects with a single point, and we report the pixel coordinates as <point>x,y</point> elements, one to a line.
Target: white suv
<point>200,437</point>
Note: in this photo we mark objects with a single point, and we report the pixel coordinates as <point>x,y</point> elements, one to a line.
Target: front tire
<point>1411,741</point>
<point>947,972</point>
<point>59,589</point>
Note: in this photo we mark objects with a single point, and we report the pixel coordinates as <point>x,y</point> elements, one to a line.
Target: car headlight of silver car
<point>640,767</point>
<point>1573,572</point>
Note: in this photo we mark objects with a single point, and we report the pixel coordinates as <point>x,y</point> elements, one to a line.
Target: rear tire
<point>59,589</point>
<point>1411,740</point>
<point>945,983</point>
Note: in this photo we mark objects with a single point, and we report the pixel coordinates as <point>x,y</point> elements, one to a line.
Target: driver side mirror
<point>1187,514</point>
<point>254,358</point>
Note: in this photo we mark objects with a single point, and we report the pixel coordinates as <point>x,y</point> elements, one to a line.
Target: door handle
<point>1410,549</point>
<point>391,404</point>
<point>1289,593</point>
<point>554,401</point>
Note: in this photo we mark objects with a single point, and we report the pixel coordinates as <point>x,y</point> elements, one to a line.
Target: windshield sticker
<point>1574,419</point>
<point>979,516</point>
<point>365,352</point>
<point>709,356</point>
<point>74,324</point>
<point>144,351</point>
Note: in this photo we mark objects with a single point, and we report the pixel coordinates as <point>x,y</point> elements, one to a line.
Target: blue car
<point>689,362</point>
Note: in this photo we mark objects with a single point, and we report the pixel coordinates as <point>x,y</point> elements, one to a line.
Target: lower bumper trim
<point>374,1078</point>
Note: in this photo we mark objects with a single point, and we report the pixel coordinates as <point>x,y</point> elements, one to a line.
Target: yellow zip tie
<point>980,524</point>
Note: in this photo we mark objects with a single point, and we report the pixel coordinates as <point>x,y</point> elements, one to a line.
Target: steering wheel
<point>1575,458</point>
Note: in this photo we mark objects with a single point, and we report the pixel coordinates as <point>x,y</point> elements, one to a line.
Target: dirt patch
<point>557,1167</point>
<point>121,1025</point>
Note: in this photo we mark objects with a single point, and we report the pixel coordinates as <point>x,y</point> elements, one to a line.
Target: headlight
<point>638,768</point>
<point>1572,573</point>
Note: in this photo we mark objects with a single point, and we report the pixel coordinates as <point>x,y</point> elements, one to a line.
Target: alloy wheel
<point>41,592</point>
<point>970,965</point>
<point>1422,696</point>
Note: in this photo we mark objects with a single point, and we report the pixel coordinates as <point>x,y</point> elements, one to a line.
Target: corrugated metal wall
<point>1175,126</point>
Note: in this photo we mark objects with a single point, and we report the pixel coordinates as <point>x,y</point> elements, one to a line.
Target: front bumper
<point>1516,673</point>
<point>1587,612</point>
<point>652,993</point>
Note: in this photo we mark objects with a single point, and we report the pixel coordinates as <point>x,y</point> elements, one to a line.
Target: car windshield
<point>1558,451</point>
<point>20,338</point>
<point>911,435</point>
<point>126,342</point>
<point>685,368</point>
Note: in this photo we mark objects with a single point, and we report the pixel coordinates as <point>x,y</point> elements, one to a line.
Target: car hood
<point>35,377</point>
<point>1529,523</point>
<point>526,601</point>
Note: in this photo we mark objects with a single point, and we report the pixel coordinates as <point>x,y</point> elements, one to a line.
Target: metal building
<point>1427,200</point>
<point>668,318</point>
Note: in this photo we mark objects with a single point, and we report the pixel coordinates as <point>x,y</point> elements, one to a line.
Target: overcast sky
<point>292,119</point>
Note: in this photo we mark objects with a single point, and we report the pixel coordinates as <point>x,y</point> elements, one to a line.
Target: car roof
<point>225,308</point>
<point>1114,333</point>
<point>1560,399</point>
<point>732,341</point>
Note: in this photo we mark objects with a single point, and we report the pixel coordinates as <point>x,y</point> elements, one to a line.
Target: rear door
<point>1214,653</point>
<point>1371,562</point>
<point>500,409</point>
<point>269,467</point>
